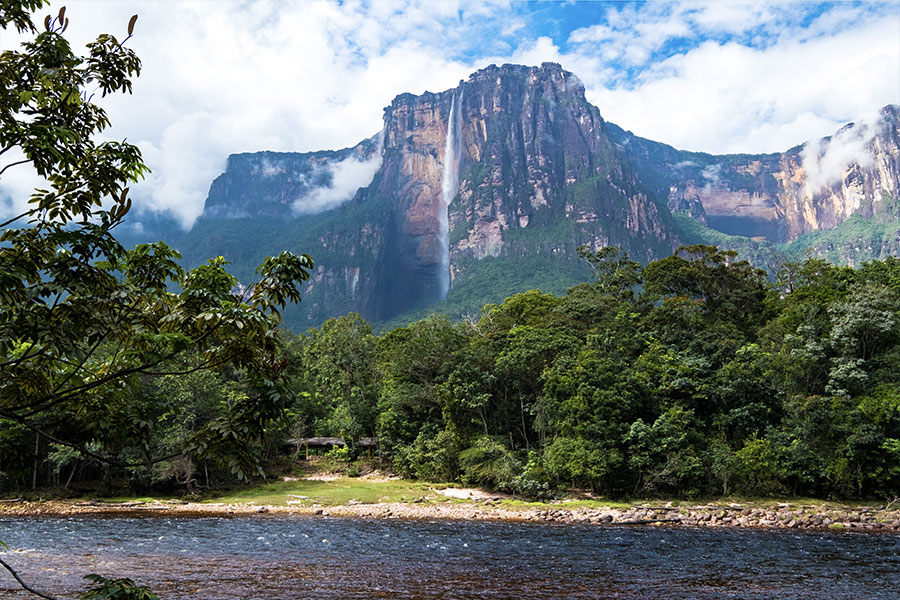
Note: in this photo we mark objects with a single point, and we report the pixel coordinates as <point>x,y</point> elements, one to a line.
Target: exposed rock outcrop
<point>276,184</point>
<point>533,154</point>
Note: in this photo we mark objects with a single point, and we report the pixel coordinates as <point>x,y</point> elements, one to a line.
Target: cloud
<point>729,97</point>
<point>711,174</point>
<point>633,34</point>
<point>346,176</point>
<point>825,161</point>
<point>223,78</point>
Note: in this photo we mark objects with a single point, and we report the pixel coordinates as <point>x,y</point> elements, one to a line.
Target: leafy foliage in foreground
<point>85,322</point>
<point>116,589</point>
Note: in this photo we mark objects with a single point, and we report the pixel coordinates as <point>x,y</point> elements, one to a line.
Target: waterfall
<point>449,186</point>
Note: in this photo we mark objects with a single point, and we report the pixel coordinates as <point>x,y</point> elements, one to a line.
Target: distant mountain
<point>487,189</point>
<point>778,197</point>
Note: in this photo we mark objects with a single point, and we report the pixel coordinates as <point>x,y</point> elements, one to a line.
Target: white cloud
<point>727,97</point>
<point>222,78</point>
<point>824,161</point>
<point>347,176</point>
<point>228,77</point>
<point>733,17</point>
<point>632,36</point>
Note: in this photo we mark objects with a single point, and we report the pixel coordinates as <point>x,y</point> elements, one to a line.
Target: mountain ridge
<point>538,172</point>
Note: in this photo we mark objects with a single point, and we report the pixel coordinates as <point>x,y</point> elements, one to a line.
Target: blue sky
<point>234,76</point>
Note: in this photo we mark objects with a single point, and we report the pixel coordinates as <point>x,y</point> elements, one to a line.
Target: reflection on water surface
<point>301,557</point>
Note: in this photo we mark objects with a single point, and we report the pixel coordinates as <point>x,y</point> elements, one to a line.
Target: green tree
<point>614,273</point>
<point>664,454</point>
<point>413,362</point>
<point>81,318</point>
<point>339,364</point>
<point>732,291</point>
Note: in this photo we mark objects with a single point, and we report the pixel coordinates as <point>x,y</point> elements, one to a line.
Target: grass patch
<point>147,499</point>
<point>329,493</point>
<point>344,489</point>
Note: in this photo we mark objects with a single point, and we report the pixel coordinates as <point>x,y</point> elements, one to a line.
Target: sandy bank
<point>776,516</point>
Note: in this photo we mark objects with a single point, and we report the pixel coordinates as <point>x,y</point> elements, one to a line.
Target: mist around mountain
<point>475,193</point>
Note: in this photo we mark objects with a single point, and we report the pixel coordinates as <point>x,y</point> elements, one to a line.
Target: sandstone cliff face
<point>415,131</point>
<point>536,152</point>
<point>778,197</point>
<point>817,192</point>
<point>533,156</point>
<point>272,184</point>
<point>510,165</point>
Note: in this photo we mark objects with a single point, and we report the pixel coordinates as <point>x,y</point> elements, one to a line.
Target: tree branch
<point>13,164</point>
<point>24,585</point>
<point>53,399</point>
<point>8,148</point>
<point>14,219</point>
<point>104,459</point>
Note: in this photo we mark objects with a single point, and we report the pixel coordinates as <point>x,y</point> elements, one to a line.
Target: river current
<point>304,557</point>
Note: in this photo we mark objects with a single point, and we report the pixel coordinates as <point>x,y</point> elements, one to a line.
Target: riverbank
<point>464,504</point>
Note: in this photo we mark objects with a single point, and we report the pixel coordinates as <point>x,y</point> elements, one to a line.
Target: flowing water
<point>449,187</point>
<point>307,557</point>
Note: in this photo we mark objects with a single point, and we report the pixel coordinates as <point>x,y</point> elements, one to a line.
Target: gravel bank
<point>775,516</point>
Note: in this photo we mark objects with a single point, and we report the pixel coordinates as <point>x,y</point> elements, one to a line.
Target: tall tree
<point>81,316</point>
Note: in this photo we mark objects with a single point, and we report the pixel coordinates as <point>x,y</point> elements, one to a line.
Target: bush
<point>533,482</point>
<point>432,457</point>
<point>758,469</point>
<point>578,462</point>
<point>339,453</point>
<point>488,463</point>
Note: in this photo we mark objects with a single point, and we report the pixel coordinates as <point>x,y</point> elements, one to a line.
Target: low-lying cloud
<point>347,176</point>
<point>826,160</point>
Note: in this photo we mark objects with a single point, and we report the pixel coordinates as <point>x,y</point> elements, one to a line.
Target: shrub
<point>432,457</point>
<point>488,463</point>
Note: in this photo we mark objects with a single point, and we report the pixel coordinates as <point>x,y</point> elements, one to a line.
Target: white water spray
<point>449,186</point>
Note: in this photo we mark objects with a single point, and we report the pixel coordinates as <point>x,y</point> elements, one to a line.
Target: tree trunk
<point>34,473</point>
<point>71,475</point>
<point>524,428</point>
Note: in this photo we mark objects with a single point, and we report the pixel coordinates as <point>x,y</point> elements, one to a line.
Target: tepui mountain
<point>487,189</point>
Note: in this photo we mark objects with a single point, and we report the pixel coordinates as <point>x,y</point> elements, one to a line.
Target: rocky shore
<point>773,516</point>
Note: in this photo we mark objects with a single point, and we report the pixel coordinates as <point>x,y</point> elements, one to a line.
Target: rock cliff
<point>287,184</point>
<point>526,153</point>
<point>508,173</point>
<point>778,197</point>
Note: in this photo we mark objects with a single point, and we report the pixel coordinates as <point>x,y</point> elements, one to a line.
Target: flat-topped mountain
<point>488,188</point>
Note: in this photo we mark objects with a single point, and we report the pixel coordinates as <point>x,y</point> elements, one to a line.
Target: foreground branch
<point>24,585</point>
<point>81,448</point>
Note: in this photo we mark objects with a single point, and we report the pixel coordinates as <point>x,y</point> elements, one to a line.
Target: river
<point>306,557</point>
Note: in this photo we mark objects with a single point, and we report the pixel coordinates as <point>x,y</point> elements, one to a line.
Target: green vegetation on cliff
<point>855,240</point>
